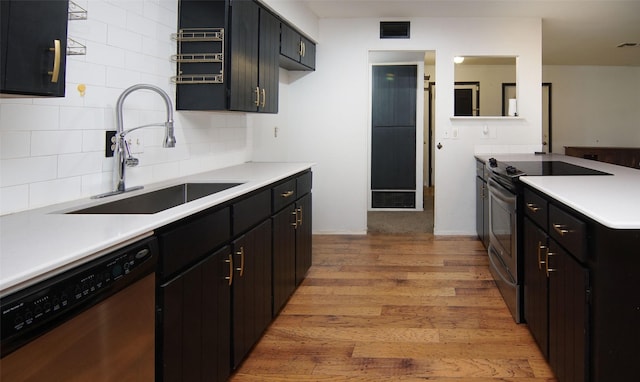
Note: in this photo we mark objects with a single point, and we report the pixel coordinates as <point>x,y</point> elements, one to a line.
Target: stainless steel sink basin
<point>157,201</point>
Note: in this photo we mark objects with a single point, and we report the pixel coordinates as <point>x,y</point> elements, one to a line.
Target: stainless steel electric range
<point>505,221</point>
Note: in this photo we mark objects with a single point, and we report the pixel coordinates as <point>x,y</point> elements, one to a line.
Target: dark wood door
<point>243,76</point>
<point>194,319</point>
<point>536,287</point>
<point>463,102</point>
<point>251,289</point>
<point>30,32</point>
<point>393,136</point>
<point>284,256</point>
<point>568,316</point>
<point>303,237</point>
<point>269,62</point>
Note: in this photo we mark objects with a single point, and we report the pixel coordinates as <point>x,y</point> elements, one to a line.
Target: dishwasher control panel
<point>28,313</point>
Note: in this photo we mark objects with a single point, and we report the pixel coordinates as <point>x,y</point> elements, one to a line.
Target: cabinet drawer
<point>283,194</point>
<point>251,211</point>
<point>568,231</point>
<point>303,184</point>
<point>183,245</point>
<point>536,208</point>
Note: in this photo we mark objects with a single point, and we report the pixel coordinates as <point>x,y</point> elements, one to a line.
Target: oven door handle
<point>501,193</point>
<point>492,260</point>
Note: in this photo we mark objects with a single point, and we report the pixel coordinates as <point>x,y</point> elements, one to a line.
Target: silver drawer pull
<point>561,229</point>
<point>546,263</point>
<point>533,208</point>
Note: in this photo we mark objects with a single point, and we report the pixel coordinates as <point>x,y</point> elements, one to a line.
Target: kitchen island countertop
<point>613,201</point>
<point>39,243</point>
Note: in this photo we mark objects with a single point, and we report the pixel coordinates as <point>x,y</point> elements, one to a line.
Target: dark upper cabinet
<point>33,47</point>
<point>244,76</point>
<point>254,44</point>
<point>296,51</point>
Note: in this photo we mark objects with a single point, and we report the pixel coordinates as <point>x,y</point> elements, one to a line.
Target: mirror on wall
<point>478,86</point>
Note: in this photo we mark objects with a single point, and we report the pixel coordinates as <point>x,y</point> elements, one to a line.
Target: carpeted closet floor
<point>403,221</point>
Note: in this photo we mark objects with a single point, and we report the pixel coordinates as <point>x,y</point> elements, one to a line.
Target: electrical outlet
<point>454,133</point>
<point>109,143</point>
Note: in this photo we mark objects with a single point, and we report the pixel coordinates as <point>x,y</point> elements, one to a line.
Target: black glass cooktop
<point>550,168</point>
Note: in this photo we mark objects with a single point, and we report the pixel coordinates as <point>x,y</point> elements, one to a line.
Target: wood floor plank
<point>398,307</point>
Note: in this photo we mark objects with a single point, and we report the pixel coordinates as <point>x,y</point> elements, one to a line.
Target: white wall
<point>594,106</point>
<point>324,114</point>
<point>52,150</point>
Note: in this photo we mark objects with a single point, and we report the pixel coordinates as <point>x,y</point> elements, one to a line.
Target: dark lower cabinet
<point>482,204</point>
<point>194,321</point>
<point>224,274</point>
<point>536,286</point>
<point>568,312</point>
<point>291,237</point>
<point>251,289</point>
<point>33,44</point>
<point>284,256</point>
<point>580,300</point>
<point>303,237</point>
<point>556,290</point>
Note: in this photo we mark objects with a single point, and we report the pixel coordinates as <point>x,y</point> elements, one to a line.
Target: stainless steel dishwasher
<point>94,322</point>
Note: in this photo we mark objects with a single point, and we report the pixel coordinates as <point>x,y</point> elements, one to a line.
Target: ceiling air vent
<point>394,29</point>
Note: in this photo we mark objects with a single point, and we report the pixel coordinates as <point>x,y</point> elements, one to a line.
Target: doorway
<point>419,218</point>
<point>509,91</point>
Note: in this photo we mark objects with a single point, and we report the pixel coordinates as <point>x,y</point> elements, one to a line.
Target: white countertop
<point>613,201</point>
<point>40,243</point>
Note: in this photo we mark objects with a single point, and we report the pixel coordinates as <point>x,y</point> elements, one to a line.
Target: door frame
<point>546,86</point>
<point>419,191</point>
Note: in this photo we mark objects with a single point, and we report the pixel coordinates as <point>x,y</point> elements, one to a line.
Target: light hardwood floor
<point>389,307</point>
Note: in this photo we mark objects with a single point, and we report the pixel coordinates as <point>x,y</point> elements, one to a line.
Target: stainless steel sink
<point>156,201</point>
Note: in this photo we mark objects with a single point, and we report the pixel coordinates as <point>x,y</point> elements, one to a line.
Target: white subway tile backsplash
<point>55,191</point>
<point>122,78</point>
<point>105,55</point>
<point>52,149</point>
<point>79,164</point>
<point>88,73</point>
<point>13,199</point>
<point>97,183</point>
<point>111,13</point>
<point>82,118</point>
<point>158,48</point>
<point>139,24</point>
<point>93,140</point>
<point>28,117</point>
<point>164,171</point>
<point>15,144</point>
<point>55,142</point>
<point>91,30</point>
<point>27,170</point>
<point>123,38</point>
<point>101,97</point>
<point>157,14</point>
